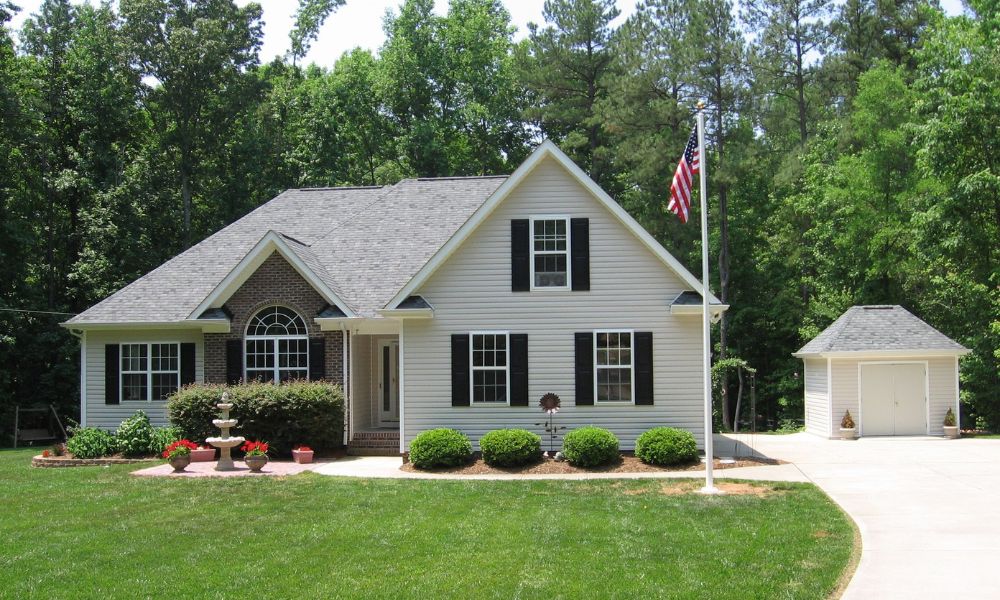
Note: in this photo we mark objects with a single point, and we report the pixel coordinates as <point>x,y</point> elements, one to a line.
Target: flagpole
<point>705,327</point>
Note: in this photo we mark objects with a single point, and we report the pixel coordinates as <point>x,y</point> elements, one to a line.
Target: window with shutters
<point>276,346</point>
<point>613,373</point>
<point>149,370</point>
<point>550,253</point>
<point>489,375</point>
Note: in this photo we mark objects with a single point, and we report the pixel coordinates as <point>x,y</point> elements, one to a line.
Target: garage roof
<point>880,328</point>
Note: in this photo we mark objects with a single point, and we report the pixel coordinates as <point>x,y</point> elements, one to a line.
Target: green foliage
<point>135,436</point>
<point>163,437</point>
<point>666,446</point>
<point>91,442</point>
<point>847,421</point>
<point>949,418</point>
<point>510,447</point>
<point>293,413</point>
<point>440,448</point>
<point>590,447</point>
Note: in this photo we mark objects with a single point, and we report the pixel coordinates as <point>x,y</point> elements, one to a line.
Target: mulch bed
<point>627,464</point>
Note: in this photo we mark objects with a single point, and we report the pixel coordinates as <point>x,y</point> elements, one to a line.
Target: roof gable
<point>880,329</point>
<point>547,150</point>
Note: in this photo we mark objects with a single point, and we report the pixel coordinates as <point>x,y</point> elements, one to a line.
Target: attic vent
<point>878,307</point>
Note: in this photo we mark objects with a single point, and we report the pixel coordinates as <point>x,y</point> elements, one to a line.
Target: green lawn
<point>98,532</point>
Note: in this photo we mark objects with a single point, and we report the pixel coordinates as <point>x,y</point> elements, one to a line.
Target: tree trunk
<point>739,400</point>
<point>186,193</point>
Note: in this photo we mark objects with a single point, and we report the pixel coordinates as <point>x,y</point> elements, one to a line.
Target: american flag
<point>680,188</point>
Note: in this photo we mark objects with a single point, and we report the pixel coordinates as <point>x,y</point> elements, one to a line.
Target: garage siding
<point>630,289</point>
<point>941,384</point>
<point>817,397</point>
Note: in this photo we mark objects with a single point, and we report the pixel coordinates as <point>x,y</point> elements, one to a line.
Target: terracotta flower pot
<point>256,463</point>
<point>179,462</point>
<point>303,457</point>
<point>203,455</point>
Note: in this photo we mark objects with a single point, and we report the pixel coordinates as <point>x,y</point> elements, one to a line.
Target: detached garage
<point>895,373</point>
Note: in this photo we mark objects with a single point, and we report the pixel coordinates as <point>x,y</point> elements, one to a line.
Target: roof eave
<point>929,352</point>
<point>204,325</point>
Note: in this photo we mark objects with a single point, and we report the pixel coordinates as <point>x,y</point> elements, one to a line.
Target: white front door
<point>388,382</point>
<point>893,399</point>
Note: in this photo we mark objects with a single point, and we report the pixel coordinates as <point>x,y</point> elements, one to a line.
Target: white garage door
<point>893,400</point>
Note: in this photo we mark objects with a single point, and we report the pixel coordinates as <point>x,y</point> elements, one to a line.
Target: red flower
<point>179,447</point>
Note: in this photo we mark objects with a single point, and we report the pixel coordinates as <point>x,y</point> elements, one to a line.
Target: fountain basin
<point>226,442</point>
<point>224,423</point>
<point>224,405</point>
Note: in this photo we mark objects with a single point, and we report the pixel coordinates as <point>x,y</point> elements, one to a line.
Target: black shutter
<point>234,361</point>
<point>317,358</point>
<point>187,363</point>
<point>460,369</point>
<point>518,369</point>
<point>643,368</point>
<point>520,256</point>
<point>112,367</point>
<point>580,253</point>
<point>584,342</point>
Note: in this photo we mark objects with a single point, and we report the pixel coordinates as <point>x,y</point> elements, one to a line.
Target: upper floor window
<point>149,371</point>
<point>490,375</point>
<point>613,366</point>
<point>550,252</point>
<point>277,346</point>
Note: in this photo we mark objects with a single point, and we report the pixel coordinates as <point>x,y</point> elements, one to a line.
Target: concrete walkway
<point>388,467</point>
<point>926,508</point>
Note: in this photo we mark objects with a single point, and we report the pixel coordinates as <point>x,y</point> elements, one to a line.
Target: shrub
<point>666,446</point>
<point>440,448</point>
<point>163,437</point>
<point>510,447</point>
<point>91,442</point>
<point>590,447</point>
<point>135,436</point>
<point>298,412</point>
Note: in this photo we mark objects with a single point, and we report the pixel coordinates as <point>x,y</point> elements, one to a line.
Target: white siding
<point>941,388</point>
<point>817,397</point>
<point>630,289</point>
<point>109,416</point>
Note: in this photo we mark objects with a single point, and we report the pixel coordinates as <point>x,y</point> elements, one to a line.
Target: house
<point>894,372</point>
<point>446,302</point>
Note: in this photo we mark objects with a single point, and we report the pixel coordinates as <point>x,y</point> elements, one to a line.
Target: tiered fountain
<point>226,442</point>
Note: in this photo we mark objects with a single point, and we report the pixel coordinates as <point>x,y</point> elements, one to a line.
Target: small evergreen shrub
<point>135,436</point>
<point>440,448</point>
<point>590,447</point>
<point>510,447</point>
<point>666,446</point>
<point>91,442</point>
<point>286,415</point>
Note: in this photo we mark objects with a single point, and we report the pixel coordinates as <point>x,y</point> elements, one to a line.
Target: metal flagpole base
<point>711,491</point>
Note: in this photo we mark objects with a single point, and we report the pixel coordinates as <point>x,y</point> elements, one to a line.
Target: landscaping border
<point>63,461</point>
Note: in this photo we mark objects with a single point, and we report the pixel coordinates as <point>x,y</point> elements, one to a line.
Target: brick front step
<point>374,443</point>
<point>355,451</point>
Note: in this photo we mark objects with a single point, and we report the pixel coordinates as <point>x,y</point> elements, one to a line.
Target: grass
<point>98,532</point>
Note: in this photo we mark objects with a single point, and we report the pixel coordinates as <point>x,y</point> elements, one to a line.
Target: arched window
<point>277,346</point>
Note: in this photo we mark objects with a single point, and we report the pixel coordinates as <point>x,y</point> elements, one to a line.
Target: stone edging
<point>63,461</point>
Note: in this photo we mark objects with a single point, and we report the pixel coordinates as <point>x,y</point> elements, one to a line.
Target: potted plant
<point>203,453</point>
<point>178,454</point>
<point>302,455</point>
<point>951,425</point>
<point>255,455</point>
<point>847,428</point>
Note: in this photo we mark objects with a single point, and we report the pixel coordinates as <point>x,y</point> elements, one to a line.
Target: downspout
<point>344,377</point>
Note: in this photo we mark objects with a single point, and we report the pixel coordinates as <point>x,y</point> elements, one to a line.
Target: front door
<point>388,382</point>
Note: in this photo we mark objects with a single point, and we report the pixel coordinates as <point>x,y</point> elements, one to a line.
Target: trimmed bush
<point>510,447</point>
<point>135,435</point>
<point>91,442</point>
<point>286,415</point>
<point>440,448</point>
<point>666,446</point>
<point>590,447</point>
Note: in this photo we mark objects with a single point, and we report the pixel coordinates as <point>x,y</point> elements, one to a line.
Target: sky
<point>359,23</point>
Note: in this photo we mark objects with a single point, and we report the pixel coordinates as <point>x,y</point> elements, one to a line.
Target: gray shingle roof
<point>364,243</point>
<point>879,328</point>
<point>690,298</point>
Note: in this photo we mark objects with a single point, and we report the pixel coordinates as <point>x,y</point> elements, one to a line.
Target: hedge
<point>510,447</point>
<point>440,448</point>
<point>296,413</point>
<point>666,446</point>
<point>590,447</point>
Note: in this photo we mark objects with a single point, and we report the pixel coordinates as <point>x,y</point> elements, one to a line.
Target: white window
<point>276,346</point>
<point>550,253</point>
<point>489,376</point>
<point>614,376</point>
<point>149,371</point>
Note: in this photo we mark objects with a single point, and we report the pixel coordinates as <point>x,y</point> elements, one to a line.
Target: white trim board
<point>546,150</point>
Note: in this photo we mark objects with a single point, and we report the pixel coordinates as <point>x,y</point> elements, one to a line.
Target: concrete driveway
<point>928,508</point>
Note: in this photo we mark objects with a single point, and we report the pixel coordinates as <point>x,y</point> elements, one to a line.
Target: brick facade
<point>274,282</point>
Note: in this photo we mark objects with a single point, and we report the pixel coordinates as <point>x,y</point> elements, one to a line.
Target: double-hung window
<point>490,373</point>
<point>613,366</point>
<point>550,253</point>
<point>149,371</point>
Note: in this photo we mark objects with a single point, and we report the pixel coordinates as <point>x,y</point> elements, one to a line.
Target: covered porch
<point>374,407</point>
